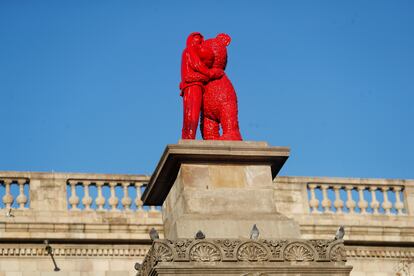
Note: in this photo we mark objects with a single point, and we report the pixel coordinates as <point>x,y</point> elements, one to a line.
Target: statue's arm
<point>196,63</point>
<point>196,77</point>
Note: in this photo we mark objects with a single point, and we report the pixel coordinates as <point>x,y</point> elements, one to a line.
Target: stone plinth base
<point>221,188</point>
<point>224,201</point>
<point>245,257</point>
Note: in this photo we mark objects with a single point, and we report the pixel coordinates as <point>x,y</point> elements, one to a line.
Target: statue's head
<point>225,39</point>
<point>195,38</point>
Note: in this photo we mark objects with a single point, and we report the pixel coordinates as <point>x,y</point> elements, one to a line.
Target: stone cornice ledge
<point>398,232</point>
<point>243,251</point>
<point>209,152</point>
<point>98,231</point>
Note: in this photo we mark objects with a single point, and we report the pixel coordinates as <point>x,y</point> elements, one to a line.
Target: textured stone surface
<point>230,256</point>
<point>73,259</point>
<point>210,152</point>
<point>224,201</point>
<point>50,218</point>
<point>381,244</point>
<point>291,198</point>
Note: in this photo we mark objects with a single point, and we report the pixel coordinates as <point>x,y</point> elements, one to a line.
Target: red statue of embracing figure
<point>207,90</point>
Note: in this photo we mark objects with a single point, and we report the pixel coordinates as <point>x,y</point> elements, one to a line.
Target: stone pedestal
<point>221,188</point>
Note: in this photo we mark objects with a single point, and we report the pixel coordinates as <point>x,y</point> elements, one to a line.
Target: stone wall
<point>106,233</point>
<point>72,259</point>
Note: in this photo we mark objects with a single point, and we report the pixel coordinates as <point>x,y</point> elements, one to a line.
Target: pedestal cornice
<point>209,152</point>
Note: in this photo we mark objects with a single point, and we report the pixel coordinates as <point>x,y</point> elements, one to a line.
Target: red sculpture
<point>205,88</point>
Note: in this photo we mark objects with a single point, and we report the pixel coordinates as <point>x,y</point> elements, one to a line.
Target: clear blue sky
<point>92,86</point>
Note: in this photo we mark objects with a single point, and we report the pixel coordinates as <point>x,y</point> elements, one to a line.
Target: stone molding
<point>366,252</point>
<point>226,249</point>
<point>243,251</point>
<point>76,228</point>
<point>79,251</point>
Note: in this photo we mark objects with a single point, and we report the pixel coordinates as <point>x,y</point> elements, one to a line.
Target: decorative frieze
<point>243,251</point>
<point>229,250</point>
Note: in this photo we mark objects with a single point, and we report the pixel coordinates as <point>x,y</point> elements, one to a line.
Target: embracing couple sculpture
<point>206,90</point>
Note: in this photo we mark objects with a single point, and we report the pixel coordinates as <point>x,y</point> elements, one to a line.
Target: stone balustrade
<point>380,210</point>
<point>14,192</point>
<point>363,199</point>
<point>60,206</point>
<point>107,195</point>
<point>91,202</point>
<point>84,215</point>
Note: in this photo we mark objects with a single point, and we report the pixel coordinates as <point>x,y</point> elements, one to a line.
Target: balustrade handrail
<point>77,176</point>
<point>344,180</point>
<point>355,184</point>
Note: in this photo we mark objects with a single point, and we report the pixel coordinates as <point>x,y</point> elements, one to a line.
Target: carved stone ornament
<point>338,253</point>
<point>242,250</point>
<point>162,252</point>
<point>180,247</point>
<point>321,247</point>
<point>205,252</point>
<point>252,252</point>
<point>228,247</point>
<point>275,248</point>
<point>299,252</point>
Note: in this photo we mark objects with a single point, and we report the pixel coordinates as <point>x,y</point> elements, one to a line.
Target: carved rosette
<point>162,252</point>
<point>299,252</point>
<point>252,252</point>
<point>205,252</point>
<point>338,253</point>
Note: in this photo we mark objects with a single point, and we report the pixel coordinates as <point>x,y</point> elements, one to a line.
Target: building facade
<point>97,225</point>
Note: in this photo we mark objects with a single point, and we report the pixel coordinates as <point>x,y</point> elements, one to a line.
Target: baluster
<point>399,205</point>
<point>7,198</point>
<point>338,203</point>
<point>153,209</point>
<point>138,201</point>
<point>87,199</point>
<point>350,203</point>
<point>126,200</point>
<point>326,203</point>
<point>374,204</point>
<point>74,199</point>
<point>313,202</point>
<point>362,203</point>
<point>113,200</point>
<point>21,198</point>
<point>387,205</point>
<point>100,200</point>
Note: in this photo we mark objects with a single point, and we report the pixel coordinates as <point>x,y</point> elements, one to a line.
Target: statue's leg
<point>192,98</point>
<point>230,123</point>
<point>211,130</point>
